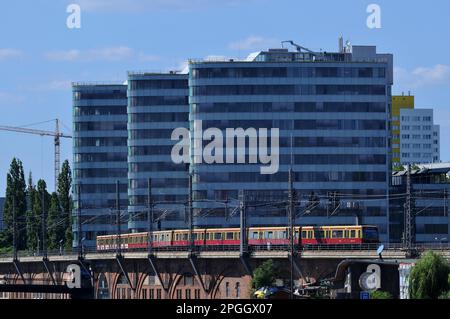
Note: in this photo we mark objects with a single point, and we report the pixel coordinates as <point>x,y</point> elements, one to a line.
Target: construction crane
<point>56,134</point>
<point>298,47</point>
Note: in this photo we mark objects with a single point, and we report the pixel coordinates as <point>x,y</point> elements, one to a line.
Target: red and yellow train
<point>214,238</point>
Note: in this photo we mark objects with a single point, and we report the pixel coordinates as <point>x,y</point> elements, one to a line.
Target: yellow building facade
<point>398,102</point>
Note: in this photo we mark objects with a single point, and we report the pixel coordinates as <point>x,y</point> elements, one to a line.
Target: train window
<point>237,237</point>
<point>255,235</point>
<point>304,234</point>
<point>270,235</point>
<point>352,234</point>
<point>337,233</point>
<point>229,236</point>
<point>218,236</point>
<point>346,234</point>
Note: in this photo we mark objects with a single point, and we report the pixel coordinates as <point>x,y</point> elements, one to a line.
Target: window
<point>227,289</point>
<point>188,293</point>
<point>426,119</point>
<point>158,293</point>
<point>238,290</point>
<point>337,233</point>
<point>179,294</point>
<point>144,294</point>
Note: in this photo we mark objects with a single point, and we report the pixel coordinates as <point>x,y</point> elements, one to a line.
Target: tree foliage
<point>55,223</point>
<point>429,277</point>
<point>15,199</point>
<point>65,202</point>
<point>264,275</point>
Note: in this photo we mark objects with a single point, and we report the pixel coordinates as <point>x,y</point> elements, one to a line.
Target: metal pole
<point>14,227</point>
<point>191,215</point>
<point>43,226</point>
<point>119,243</point>
<point>409,215</point>
<point>291,231</point>
<point>243,223</point>
<point>80,251</point>
<point>150,218</point>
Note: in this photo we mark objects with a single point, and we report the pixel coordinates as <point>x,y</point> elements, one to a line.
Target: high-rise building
<point>430,189</point>
<point>419,137</point>
<point>399,102</point>
<point>99,158</point>
<point>332,111</point>
<point>157,104</point>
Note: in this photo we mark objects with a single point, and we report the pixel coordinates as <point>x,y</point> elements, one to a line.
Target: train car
<point>181,237</point>
<point>222,237</point>
<point>263,236</point>
<point>214,238</point>
<point>338,235</point>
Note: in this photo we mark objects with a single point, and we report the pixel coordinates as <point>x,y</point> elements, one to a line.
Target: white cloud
<point>70,55</point>
<point>8,53</point>
<point>55,85</point>
<point>422,76</point>
<point>253,43</point>
<point>7,99</point>
<point>111,54</point>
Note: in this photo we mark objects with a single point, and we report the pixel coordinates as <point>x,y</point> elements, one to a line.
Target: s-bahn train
<point>229,238</point>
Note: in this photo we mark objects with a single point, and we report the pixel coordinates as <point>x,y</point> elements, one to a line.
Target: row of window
<point>100,126</point>
<point>100,95</point>
<point>158,84</point>
<point>158,100</point>
<point>283,72</point>
<point>417,118</point>
<point>100,141</point>
<point>242,177</point>
<point>416,127</point>
<point>158,183</point>
<point>158,117</point>
<point>255,107</point>
<point>288,90</point>
<point>416,136</point>
<point>319,124</point>
<point>100,157</point>
<point>100,110</point>
<point>100,172</point>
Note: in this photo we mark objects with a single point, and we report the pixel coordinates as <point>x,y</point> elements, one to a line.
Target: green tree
<point>429,277</point>
<point>40,195</point>
<point>65,201</point>
<point>15,196</point>
<point>30,218</point>
<point>264,275</point>
<point>55,223</point>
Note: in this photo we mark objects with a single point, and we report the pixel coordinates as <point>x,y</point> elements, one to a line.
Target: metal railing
<point>235,248</point>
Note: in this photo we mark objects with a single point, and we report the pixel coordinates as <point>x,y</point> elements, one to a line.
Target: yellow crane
<point>57,134</point>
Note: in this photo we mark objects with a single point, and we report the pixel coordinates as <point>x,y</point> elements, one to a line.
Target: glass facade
<point>99,157</point>
<point>157,104</point>
<point>333,118</point>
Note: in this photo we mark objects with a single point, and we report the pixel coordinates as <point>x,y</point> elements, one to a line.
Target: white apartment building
<point>419,137</point>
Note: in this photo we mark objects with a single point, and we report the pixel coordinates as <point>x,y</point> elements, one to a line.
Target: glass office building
<point>332,111</point>
<point>157,104</point>
<point>99,158</point>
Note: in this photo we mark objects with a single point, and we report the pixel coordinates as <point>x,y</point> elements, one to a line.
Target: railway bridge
<point>175,274</point>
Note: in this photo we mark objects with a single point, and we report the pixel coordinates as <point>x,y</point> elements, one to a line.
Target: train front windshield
<point>370,233</point>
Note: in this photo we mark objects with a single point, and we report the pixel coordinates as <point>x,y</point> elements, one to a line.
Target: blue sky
<point>40,56</point>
